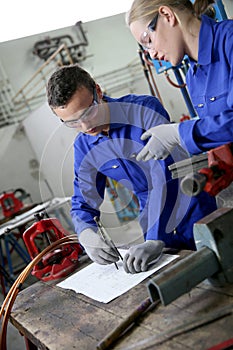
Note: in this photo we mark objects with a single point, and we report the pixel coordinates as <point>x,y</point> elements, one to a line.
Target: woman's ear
<point>168,14</point>
<point>99,91</point>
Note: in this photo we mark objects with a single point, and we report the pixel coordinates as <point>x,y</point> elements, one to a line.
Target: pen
<point>107,239</point>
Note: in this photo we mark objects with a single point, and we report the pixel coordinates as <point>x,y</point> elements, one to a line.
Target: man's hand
<point>163,138</point>
<point>139,256</point>
<point>96,248</point>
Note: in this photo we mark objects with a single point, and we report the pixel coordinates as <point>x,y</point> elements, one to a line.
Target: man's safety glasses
<point>89,113</point>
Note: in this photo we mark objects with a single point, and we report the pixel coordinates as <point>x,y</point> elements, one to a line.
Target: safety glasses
<point>153,23</point>
<point>89,113</point>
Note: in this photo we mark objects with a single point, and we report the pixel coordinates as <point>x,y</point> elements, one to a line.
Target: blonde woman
<point>170,29</point>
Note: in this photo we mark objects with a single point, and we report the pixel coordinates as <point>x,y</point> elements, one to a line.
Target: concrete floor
<point>15,341</point>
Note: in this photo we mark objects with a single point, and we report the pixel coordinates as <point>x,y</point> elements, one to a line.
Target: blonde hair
<point>145,10</point>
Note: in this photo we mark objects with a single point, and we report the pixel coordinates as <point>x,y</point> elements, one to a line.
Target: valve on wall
<point>75,51</point>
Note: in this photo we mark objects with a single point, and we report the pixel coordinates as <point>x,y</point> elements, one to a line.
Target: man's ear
<point>168,14</point>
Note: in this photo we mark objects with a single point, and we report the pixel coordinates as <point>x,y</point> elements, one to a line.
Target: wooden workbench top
<point>54,318</point>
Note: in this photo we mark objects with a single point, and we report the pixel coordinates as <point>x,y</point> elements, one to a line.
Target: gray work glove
<point>141,255</point>
<point>163,138</point>
<point>97,250</point>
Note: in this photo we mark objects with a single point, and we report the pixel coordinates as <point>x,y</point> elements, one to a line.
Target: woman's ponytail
<point>202,7</point>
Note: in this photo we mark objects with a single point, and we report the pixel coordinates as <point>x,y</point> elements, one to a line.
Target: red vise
<point>10,204</point>
<point>219,173</point>
<point>58,263</point>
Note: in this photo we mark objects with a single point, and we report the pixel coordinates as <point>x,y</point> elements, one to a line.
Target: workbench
<point>54,318</point>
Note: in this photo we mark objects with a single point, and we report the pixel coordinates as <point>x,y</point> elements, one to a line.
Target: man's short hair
<point>64,82</point>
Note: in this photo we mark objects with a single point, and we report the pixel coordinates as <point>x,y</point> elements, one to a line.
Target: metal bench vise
<point>10,204</point>
<point>213,260</point>
<point>210,172</point>
<point>58,263</point>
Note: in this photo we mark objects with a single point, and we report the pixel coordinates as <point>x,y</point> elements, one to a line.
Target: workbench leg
<point>11,241</point>
<point>2,284</point>
<point>2,277</point>
<point>30,345</point>
<point>5,279</point>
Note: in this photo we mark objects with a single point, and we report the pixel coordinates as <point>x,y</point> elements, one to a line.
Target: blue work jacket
<point>210,83</point>
<point>165,212</point>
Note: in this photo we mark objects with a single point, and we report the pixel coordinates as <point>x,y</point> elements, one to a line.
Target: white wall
<point>228,5</point>
<point>111,46</point>
<point>19,166</point>
<point>52,143</point>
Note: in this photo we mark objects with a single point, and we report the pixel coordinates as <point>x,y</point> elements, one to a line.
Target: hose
<point>172,82</point>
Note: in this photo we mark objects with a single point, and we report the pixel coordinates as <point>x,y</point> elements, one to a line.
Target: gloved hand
<point>163,138</point>
<point>139,256</point>
<point>96,248</point>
